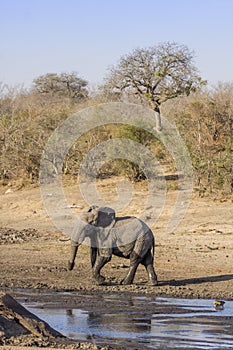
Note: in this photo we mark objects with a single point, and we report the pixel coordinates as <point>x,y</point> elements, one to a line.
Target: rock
<point>15,320</point>
<point>19,327</point>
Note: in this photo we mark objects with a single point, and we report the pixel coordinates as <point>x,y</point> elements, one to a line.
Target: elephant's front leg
<point>98,265</point>
<point>93,256</point>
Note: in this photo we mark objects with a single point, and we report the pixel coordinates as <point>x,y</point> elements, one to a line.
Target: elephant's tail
<point>153,248</point>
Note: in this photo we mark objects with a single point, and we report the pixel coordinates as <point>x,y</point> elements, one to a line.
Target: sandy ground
<point>195,260</point>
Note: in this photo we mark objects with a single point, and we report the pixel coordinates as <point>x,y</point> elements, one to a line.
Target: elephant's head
<point>90,216</point>
<point>99,216</point>
<point>92,221</point>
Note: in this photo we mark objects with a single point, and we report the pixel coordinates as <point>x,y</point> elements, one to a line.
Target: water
<point>152,322</point>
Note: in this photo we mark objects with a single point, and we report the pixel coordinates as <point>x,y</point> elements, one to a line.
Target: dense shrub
<point>204,119</point>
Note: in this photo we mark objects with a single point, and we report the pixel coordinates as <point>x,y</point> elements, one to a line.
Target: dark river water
<point>147,322</point>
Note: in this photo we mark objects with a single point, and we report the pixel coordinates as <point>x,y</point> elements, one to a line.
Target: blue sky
<point>88,36</point>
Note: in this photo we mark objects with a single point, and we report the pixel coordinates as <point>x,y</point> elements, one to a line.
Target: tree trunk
<point>158,119</point>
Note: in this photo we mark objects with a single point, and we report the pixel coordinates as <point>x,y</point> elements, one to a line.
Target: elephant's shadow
<point>182,282</point>
<point>196,280</point>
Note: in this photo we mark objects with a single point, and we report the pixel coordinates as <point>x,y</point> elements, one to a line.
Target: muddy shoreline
<point>115,304</point>
<point>42,265</point>
<point>194,261</point>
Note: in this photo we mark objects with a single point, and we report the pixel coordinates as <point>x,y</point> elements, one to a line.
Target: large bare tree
<point>155,75</point>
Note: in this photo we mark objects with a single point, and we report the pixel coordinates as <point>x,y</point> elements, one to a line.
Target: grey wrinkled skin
<point>126,237</point>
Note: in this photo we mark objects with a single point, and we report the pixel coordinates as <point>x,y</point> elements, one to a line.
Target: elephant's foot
<point>98,280</point>
<point>152,282</point>
<point>126,281</point>
<point>152,277</point>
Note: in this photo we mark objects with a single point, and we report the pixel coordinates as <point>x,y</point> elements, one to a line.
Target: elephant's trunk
<point>73,251</point>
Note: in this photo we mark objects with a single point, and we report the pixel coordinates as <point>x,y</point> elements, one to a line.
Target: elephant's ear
<point>90,217</point>
<point>92,207</point>
<point>106,216</point>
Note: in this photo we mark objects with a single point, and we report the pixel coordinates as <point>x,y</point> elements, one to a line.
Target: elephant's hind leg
<point>152,277</point>
<point>148,262</point>
<point>134,262</point>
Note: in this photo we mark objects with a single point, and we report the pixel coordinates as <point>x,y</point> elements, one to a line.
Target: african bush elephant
<point>126,237</point>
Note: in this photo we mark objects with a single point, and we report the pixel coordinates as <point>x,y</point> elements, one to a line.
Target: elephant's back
<point>130,225</point>
<point>131,220</point>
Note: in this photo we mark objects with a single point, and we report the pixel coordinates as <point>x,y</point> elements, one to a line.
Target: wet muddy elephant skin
<point>126,237</point>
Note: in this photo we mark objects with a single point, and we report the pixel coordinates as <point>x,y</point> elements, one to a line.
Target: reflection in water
<point>69,312</point>
<point>123,323</point>
<point>118,326</point>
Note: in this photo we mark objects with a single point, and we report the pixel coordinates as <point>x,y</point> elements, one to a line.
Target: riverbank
<point>194,261</point>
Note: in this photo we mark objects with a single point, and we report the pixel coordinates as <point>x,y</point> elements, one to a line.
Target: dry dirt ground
<point>195,260</point>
